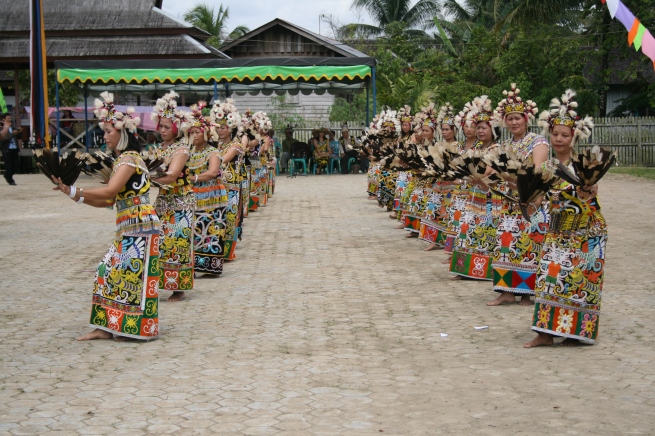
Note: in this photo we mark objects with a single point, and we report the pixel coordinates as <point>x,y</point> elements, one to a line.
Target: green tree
<point>351,111</point>
<point>204,17</point>
<point>69,94</point>
<point>416,18</point>
<point>282,113</point>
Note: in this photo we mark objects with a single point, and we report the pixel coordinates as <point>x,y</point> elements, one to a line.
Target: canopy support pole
<point>86,117</point>
<point>375,103</point>
<point>215,91</point>
<point>58,116</point>
<point>367,105</point>
<point>226,85</point>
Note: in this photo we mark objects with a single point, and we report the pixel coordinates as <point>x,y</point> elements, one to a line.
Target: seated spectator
<point>347,142</point>
<point>66,123</point>
<point>287,142</point>
<point>335,152</point>
<point>321,150</point>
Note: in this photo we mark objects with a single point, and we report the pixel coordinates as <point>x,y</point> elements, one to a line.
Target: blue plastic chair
<point>334,160</point>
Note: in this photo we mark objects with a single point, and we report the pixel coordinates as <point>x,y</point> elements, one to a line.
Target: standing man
<point>286,147</point>
<point>10,145</point>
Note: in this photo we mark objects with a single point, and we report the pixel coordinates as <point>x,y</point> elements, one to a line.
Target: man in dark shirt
<point>286,148</point>
<point>10,145</point>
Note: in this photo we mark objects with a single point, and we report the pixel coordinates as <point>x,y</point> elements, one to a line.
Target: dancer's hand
<point>60,186</point>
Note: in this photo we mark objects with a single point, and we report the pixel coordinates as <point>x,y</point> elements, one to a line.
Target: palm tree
<point>203,17</point>
<point>383,12</point>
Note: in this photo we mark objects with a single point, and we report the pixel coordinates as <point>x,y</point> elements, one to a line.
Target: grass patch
<point>647,172</point>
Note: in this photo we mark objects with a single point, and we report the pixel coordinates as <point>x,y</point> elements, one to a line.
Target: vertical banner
<point>38,75</point>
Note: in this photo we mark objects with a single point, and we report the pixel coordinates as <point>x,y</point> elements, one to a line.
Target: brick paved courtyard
<point>330,322</point>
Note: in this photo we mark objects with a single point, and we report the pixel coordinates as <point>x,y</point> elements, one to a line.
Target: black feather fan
<point>589,166</point>
<point>532,183</point>
<point>66,167</point>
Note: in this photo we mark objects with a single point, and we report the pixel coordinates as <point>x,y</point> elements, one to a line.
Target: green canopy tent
<point>252,75</point>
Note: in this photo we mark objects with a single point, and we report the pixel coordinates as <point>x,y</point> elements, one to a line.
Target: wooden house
<point>281,39</point>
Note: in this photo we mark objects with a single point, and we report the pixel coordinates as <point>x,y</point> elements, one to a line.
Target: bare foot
<point>542,340</point>
<point>372,197</point>
<point>209,276</point>
<point>393,216</point>
<point>400,226</point>
<point>456,278</point>
<point>96,334</point>
<point>569,342</point>
<point>412,235</point>
<point>431,247</point>
<point>124,339</point>
<point>447,261</point>
<point>177,296</point>
<point>525,301</point>
<point>504,297</point>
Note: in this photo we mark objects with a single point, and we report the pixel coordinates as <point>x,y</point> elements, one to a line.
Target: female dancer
<point>476,240</point>
<point>433,225</point>
<point>518,244</point>
<point>460,193</point>
<point>125,293</point>
<point>211,197</point>
<point>227,120</point>
<point>264,126</point>
<point>175,204</point>
<point>570,272</point>
<point>404,177</point>
<point>419,194</point>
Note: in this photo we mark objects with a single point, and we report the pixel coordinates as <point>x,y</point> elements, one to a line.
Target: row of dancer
<point>523,214</point>
<point>215,169</point>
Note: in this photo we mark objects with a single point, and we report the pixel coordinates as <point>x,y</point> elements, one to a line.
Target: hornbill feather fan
<point>532,183</point>
<point>67,167</point>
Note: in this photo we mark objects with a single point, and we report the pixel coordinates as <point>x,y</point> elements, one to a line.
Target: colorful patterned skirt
<point>459,197</point>
<point>126,290</point>
<point>518,245</point>
<point>569,283</point>
<point>402,182</point>
<point>176,214</point>
<point>417,203</point>
<point>433,223</point>
<point>477,236</point>
<point>263,185</point>
<point>255,184</point>
<point>373,180</point>
<point>209,240</point>
<point>271,181</point>
<point>246,176</point>
<point>387,188</point>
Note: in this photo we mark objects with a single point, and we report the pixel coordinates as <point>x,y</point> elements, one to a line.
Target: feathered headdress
<point>106,112</point>
<point>405,115</point>
<point>482,111</point>
<point>513,104</point>
<point>426,117</point>
<point>446,115</point>
<point>462,117</point>
<point>226,113</point>
<point>562,113</point>
<point>387,124</point>
<point>195,118</point>
<point>166,107</point>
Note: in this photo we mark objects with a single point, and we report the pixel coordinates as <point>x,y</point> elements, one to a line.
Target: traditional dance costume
<point>126,293</point>
<point>518,242</point>
<point>210,215</point>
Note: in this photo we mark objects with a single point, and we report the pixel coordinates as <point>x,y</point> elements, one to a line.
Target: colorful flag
<point>637,32</point>
<point>39,75</point>
<point>3,103</point>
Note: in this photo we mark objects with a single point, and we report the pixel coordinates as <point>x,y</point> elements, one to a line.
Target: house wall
<point>313,108</point>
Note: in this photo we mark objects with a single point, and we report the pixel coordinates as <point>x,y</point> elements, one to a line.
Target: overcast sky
<point>254,13</point>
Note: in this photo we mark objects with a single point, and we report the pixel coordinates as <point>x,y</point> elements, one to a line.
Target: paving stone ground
<point>329,322</point>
